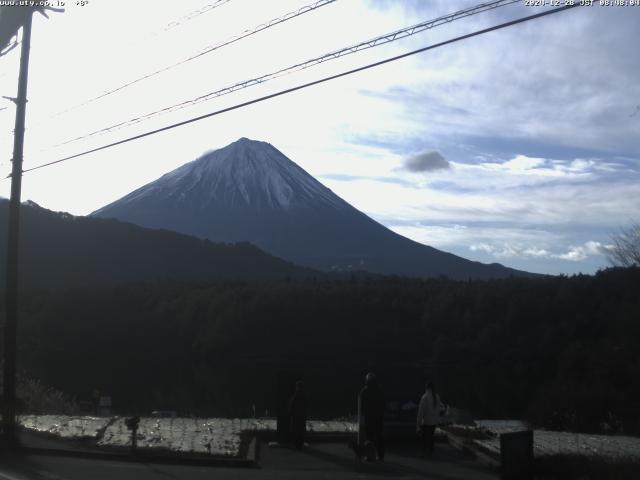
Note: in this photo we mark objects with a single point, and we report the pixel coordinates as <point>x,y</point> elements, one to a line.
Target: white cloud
<point>534,249</point>
<point>510,251</point>
<point>574,254</point>
<point>479,236</point>
<point>522,163</point>
<point>476,194</point>
<point>524,166</point>
<point>581,252</point>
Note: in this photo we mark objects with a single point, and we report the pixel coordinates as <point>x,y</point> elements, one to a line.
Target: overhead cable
<point>206,50</point>
<point>303,86</point>
<point>195,13</point>
<point>380,40</point>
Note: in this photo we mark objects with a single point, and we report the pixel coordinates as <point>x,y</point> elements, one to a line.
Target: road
<point>319,461</point>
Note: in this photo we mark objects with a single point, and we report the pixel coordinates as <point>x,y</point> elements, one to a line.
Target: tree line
<point>558,351</point>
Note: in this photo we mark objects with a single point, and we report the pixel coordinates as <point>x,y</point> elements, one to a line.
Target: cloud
<point>521,163</point>
<point>577,253</point>
<point>510,251</point>
<point>479,194</point>
<point>447,235</point>
<point>581,252</point>
<point>534,248</point>
<point>484,88</point>
<point>426,162</point>
<point>524,166</point>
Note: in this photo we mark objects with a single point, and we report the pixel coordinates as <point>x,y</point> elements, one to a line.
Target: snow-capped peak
<point>246,173</point>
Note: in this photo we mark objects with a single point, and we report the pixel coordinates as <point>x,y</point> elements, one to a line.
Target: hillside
<point>61,250</point>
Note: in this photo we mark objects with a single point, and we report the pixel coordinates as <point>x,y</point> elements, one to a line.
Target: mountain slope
<point>61,250</point>
<point>249,191</point>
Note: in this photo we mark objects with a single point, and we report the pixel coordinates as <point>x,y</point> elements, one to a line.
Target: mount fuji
<point>249,191</point>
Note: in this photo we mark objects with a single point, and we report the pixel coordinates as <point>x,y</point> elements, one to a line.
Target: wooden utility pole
<point>11,289</point>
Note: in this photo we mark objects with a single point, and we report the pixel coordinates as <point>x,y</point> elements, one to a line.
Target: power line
<point>380,40</point>
<point>246,33</point>
<point>305,85</point>
<point>10,47</point>
<point>170,25</point>
<point>195,13</point>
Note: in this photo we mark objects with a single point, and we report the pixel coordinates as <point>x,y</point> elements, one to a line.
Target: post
<point>516,455</point>
<point>132,424</point>
<point>286,383</point>
<point>11,288</point>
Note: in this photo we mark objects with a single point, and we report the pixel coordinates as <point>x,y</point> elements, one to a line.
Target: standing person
<point>298,415</point>
<point>371,401</point>
<point>430,413</point>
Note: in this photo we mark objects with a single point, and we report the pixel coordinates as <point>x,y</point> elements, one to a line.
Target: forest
<point>560,352</point>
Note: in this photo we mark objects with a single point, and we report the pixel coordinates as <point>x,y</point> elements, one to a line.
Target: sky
<point>521,146</point>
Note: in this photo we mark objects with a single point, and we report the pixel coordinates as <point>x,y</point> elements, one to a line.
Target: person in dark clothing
<point>298,415</point>
<point>372,405</point>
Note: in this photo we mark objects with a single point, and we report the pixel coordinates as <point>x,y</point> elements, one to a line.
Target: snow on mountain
<point>249,191</point>
<point>244,174</point>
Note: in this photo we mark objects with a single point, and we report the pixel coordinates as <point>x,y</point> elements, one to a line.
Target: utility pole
<point>11,289</point>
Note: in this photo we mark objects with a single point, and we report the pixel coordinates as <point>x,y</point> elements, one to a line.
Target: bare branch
<point>625,250</point>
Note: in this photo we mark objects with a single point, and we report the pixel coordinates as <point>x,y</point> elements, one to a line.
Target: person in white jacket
<point>430,413</point>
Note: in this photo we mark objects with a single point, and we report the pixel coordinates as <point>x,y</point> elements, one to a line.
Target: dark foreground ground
<point>318,461</point>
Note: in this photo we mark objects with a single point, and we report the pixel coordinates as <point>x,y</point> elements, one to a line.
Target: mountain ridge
<point>58,249</point>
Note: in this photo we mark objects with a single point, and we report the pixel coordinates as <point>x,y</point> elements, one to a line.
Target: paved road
<point>319,461</point>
